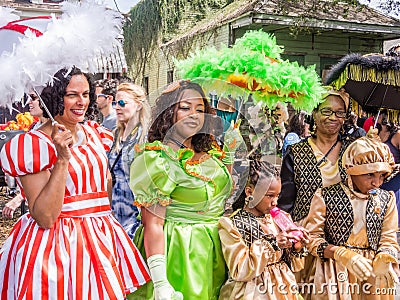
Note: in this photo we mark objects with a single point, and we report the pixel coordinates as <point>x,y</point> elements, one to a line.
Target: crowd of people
<point>142,212</point>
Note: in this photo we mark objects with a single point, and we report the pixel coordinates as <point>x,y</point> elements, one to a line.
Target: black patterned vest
<point>340,217</point>
<point>307,176</point>
<point>250,229</point>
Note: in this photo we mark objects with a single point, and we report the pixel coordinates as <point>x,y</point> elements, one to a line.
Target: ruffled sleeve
<point>244,263</point>
<point>106,136</point>
<point>151,175</point>
<point>27,153</point>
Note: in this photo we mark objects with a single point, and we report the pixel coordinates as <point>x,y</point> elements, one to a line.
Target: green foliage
<point>153,22</point>
<point>175,12</point>
<point>141,33</point>
<point>156,21</point>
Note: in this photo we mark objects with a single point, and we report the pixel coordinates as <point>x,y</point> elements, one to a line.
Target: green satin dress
<point>195,194</point>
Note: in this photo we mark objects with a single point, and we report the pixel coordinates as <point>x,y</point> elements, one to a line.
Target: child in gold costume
<point>352,226</point>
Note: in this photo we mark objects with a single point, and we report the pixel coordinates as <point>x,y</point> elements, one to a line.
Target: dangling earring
<point>248,199</point>
<point>313,130</point>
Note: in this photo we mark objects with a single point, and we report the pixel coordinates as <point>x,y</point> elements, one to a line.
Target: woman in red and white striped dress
<point>68,246</point>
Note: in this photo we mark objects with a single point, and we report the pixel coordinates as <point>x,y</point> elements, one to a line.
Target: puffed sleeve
<point>27,153</point>
<point>315,224</point>
<point>388,240</point>
<point>288,196</point>
<point>151,175</point>
<point>244,263</point>
<point>106,136</point>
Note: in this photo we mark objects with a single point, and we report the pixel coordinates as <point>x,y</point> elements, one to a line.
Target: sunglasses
<point>33,97</point>
<point>101,95</point>
<point>121,103</point>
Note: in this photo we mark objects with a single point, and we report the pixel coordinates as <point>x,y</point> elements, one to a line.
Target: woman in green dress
<point>181,183</point>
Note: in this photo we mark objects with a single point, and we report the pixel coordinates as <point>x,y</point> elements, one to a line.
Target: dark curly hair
<point>53,94</point>
<point>297,124</point>
<point>164,115</point>
<point>259,169</point>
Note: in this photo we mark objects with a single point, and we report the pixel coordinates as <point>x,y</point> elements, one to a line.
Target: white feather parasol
<point>7,15</point>
<point>84,31</point>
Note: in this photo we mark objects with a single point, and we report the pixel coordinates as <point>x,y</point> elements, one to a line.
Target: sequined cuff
<point>270,238</point>
<point>302,253</point>
<point>321,249</point>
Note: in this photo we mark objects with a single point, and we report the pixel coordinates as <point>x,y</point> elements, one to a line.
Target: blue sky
<point>123,5</point>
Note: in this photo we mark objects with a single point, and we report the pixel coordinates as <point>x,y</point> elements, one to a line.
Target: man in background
<point>351,128</point>
<point>362,118</point>
<point>105,93</point>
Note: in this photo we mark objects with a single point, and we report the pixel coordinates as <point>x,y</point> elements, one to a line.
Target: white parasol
<point>12,32</point>
<point>85,30</point>
<point>7,15</point>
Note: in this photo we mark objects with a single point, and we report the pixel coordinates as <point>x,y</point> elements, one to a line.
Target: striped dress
<point>86,254</point>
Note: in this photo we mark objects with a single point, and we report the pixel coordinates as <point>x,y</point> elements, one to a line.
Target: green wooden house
<point>312,33</point>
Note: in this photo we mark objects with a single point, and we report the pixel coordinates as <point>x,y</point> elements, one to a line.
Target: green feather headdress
<point>254,64</point>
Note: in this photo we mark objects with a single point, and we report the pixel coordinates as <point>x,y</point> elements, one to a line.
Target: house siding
<point>322,44</point>
<point>162,61</point>
<point>315,48</point>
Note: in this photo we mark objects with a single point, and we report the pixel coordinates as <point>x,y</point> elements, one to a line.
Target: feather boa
<point>254,64</point>
<point>84,31</point>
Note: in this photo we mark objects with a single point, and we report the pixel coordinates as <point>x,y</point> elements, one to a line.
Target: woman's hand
<point>45,190</point>
<point>11,206</point>
<point>62,139</point>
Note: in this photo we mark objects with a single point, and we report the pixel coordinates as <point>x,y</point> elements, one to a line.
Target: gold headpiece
<point>368,155</point>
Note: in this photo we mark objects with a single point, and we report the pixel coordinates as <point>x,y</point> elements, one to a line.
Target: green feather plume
<point>254,64</point>
<point>255,41</point>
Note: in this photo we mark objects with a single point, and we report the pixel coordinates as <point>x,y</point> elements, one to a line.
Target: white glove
<point>162,288</point>
<point>385,277</point>
<point>354,262</point>
<point>232,140</point>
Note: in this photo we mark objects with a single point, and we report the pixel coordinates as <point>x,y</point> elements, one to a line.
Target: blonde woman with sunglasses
<point>133,118</point>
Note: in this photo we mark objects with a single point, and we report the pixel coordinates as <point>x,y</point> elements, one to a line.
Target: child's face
<point>366,182</point>
<point>270,198</point>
